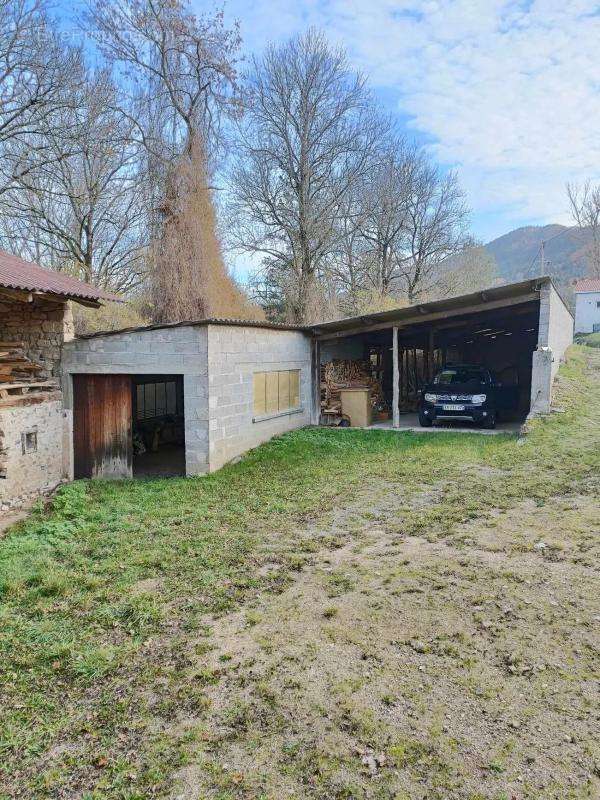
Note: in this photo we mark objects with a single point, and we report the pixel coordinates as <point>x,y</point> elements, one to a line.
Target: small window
<point>597,303</point>
<point>276,391</point>
<point>29,442</point>
<point>155,400</point>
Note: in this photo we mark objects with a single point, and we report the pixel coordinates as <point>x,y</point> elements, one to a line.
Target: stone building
<point>35,322</point>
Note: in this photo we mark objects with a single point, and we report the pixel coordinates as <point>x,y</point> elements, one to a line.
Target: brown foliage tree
<point>189,279</point>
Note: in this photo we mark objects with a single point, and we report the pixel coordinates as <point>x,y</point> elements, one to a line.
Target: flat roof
<point>194,323</point>
<point>401,315</point>
<point>448,304</point>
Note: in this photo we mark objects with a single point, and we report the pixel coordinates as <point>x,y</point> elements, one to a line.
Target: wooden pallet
<point>27,387</point>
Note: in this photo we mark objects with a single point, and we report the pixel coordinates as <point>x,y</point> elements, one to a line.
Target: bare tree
<point>189,278</point>
<point>435,228</point>
<point>79,209</point>
<point>406,220</point>
<point>306,138</point>
<point>585,208</point>
<point>35,78</point>
<point>384,220</point>
<point>471,270</point>
<point>179,71</point>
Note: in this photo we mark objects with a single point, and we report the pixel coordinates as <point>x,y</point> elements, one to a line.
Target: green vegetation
<point>146,627</point>
<point>588,339</point>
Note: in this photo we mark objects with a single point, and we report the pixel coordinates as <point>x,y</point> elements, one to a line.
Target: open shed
<point>519,332</point>
<point>186,398</point>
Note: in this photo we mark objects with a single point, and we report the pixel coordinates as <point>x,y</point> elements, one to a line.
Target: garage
<point>128,425</point>
<point>518,333</point>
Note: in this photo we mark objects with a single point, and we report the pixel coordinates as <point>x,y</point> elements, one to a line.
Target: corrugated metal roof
<point>18,274</point>
<point>450,304</point>
<point>347,323</point>
<point>588,285</point>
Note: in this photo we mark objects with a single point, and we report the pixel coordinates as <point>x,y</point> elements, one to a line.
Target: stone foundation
<point>31,435</point>
<point>32,442</point>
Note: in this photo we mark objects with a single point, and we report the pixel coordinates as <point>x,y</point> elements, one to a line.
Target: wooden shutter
<point>284,390</point>
<point>272,392</point>
<point>294,388</point>
<point>260,398</point>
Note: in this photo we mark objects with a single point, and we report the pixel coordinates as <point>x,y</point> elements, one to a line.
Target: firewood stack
<point>14,364</point>
<point>348,374</point>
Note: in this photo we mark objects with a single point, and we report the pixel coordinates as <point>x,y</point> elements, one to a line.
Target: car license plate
<point>453,408</point>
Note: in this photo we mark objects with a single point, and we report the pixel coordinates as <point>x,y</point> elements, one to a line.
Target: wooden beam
<point>492,305</point>
<point>315,377</point>
<point>16,294</point>
<point>396,380</point>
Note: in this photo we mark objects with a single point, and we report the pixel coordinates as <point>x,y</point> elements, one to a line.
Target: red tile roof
<point>588,285</point>
<point>18,274</point>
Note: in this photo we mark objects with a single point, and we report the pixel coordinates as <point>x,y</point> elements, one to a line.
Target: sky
<point>505,92</point>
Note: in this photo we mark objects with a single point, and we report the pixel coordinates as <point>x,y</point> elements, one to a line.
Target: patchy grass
<point>588,339</point>
<point>342,614</point>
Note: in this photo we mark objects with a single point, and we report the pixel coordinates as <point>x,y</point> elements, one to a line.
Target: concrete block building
<point>187,398</point>
<point>235,384</point>
<point>213,365</point>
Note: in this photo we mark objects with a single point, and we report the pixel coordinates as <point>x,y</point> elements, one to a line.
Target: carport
<point>519,332</point>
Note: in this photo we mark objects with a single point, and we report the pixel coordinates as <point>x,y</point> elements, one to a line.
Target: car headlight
<point>478,399</point>
<point>430,398</point>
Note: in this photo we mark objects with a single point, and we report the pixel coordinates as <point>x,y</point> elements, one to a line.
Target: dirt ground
<point>397,667</point>
<point>342,615</point>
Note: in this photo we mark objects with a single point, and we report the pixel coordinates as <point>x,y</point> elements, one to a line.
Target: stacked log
<point>14,364</point>
<point>348,374</point>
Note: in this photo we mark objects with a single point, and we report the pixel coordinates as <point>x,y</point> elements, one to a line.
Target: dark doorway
<point>158,426</point>
<point>102,426</point>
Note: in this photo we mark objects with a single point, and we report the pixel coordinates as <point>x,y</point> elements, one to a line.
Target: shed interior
<point>503,340</point>
<point>158,425</point>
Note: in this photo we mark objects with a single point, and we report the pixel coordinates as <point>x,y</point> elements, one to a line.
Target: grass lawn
<point>341,615</point>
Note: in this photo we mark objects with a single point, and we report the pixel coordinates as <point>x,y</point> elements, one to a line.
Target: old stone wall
<point>43,327</point>
<point>31,436</point>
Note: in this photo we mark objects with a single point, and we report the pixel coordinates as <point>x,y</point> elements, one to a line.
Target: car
<point>465,392</point>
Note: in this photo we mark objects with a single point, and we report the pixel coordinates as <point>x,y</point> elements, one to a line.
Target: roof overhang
<point>25,296</point>
<point>24,281</point>
<point>481,301</point>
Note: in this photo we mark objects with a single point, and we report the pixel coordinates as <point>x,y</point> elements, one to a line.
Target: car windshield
<point>461,375</point>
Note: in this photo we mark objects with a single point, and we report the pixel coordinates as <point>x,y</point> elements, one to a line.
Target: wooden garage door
<point>102,426</point>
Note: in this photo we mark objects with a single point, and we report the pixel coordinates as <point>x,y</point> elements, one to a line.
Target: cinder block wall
<point>34,472</point>
<point>554,337</point>
<point>234,355</point>
<point>42,326</point>
<point>166,351</point>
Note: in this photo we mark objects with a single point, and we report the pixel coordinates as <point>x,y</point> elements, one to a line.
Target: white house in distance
<point>587,305</point>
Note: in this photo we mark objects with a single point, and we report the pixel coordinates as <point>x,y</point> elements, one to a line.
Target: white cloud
<point>508,90</point>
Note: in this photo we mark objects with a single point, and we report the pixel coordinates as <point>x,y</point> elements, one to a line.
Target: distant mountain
<point>517,253</point>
